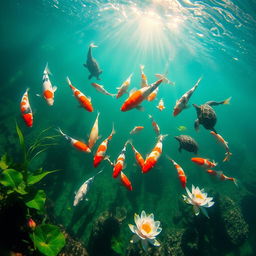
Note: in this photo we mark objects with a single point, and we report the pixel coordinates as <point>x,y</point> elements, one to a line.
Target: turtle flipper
<point>196,125</point>
<point>214,130</point>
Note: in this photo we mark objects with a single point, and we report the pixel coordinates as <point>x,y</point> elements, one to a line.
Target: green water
<point>214,40</point>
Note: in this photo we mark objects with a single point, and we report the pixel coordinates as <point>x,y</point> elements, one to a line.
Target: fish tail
<point>142,67</point>
<point>47,70</point>
<point>227,101</point>
<point>62,133</point>
<point>235,182</point>
<point>68,80</point>
<point>228,155</point>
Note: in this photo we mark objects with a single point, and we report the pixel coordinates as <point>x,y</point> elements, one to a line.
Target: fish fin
<point>140,108</point>
<point>227,101</point>
<point>90,77</point>
<point>38,95</point>
<point>132,91</point>
<point>54,88</point>
<point>68,80</point>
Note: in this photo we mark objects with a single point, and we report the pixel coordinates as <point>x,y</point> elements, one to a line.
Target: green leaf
<point>32,179</point>
<point>14,179</point>
<point>37,202</point>
<point>22,141</point>
<point>48,239</point>
<point>4,162</point>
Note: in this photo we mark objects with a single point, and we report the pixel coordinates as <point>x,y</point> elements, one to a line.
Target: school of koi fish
<point>146,228</point>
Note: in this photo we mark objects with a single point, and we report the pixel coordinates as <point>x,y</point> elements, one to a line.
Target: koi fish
<point>144,81</point>
<point>216,103</point>
<point>48,89</point>
<point>94,135</point>
<point>205,163</point>
<point>26,110</point>
<point>155,125</point>
<point>101,151</point>
<point>152,96</point>
<point>224,143</point>
<point>101,89</point>
<point>126,182</point>
<point>181,173</point>
<point>124,87</point>
<point>82,99</point>
<point>183,101</point>
<point>151,160</point>
<point>75,143</point>
<point>138,156</point>
<point>83,190</point>
<point>138,96</point>
<point>221,176</point>
<point>165,80</point>
<point>136,129</point>
<point>119,165</point>
<point>160,105</point>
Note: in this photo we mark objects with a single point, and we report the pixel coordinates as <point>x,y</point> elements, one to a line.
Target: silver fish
<point>83,190</point>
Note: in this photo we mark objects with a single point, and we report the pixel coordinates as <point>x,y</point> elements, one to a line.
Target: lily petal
<point>132,228</point>
<point>143,215</point>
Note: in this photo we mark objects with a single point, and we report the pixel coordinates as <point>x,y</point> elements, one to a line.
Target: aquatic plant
<point>198,199</point>
<point>146,230</point>
<point>19,182</point>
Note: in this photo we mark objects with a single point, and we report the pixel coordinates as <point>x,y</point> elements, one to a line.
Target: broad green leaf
<point>4,162</point>
<point>48,239</point>
<point>37,202</point>
<point>14,179</point>
<point>32,179</point>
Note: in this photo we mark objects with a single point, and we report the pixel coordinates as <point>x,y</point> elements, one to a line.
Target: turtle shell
<point>206,116</point>
<point>187,143</point>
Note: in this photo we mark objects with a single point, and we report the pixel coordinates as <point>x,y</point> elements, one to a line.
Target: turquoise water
<point>189,39</point>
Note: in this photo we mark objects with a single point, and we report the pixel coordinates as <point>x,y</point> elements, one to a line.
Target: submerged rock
<point>236,228</point>
<point>73,247</point>
<point>104,229</point>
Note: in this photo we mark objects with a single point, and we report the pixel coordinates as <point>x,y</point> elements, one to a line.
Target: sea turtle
<point>206,114</point>
<point>187,143</point>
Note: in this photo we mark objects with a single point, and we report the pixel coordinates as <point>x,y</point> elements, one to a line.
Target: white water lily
<point>198,198</point>
<point>146,230</point>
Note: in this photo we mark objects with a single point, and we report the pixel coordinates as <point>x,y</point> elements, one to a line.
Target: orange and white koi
<point>119,165</point>
<point>48,89</point>
<point>155,125</point>
<point>101,89</point>
<point>181,173</point>
<point>136,129</point>
<point>101,151</point>
<point>224,143</point>
<point>183,101</point>
<point>124,87</point>
<point>221,176</point>
<point>126,182</point>
<point>75,143</point>
<point>165,79</point>
<point>153,94</point>
<point>94,135</point>
<point>160,105</point>
<point>138,157</point>
<point>26,110</point>
<point>138,96</point>
<point>151,160</point>
<point>82,99</point>
<point>144,81</point>
<point>205,163</point>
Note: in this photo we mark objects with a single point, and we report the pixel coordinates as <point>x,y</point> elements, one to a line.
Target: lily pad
<point>14,179</point>
<point>38,201</point>
<point>48,239</point>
